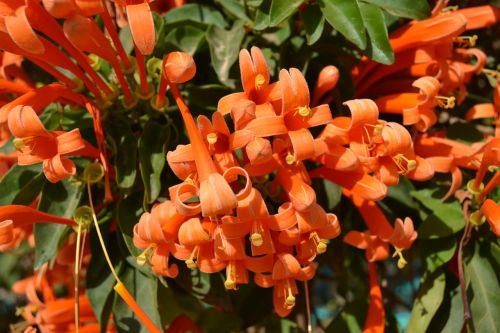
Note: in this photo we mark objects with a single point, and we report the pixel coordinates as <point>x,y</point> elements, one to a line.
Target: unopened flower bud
<point>179,67</point>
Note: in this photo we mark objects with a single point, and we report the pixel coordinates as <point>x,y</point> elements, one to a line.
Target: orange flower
<point>375,320</point>
<point>491,210</point>
<point>286,271</point>
<point>141,23</point>
<point>255,79</point>
<point>15,218</point>
<point>216,196</point>
<point>155,233</point>
<point>35,144</point>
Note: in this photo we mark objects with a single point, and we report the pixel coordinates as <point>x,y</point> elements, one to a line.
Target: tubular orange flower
<point>14,218</point>
<point>255,79</point>
<point>375,321</point>
<point>216,197</point>
<point>491,210</point>
<point>35,144</point>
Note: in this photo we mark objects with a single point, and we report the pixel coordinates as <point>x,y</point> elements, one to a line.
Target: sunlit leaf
<point>416,9</point>
<point>345,17</point>
<point>378,47</point>
<point>427,302</point>
<point>282,9</point>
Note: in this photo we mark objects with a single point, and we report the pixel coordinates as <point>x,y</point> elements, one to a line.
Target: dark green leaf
<point>128,212</point>
<point>193,12</point>
<point>446,218</point>
<point>437,252</point>
<point>414,9</point>
<point>185,38</point>
<point>152,157</point>
<point>345,17</point>
<point>224,49</point>
<point>465,132</point>
<point>350,319</point>
<point>60,199</point>
<point>261,20</point>
<point>401,192</point>
<point>282,325</point>
<point>482,270</point>
<point>235,8</point>
<point>208,288</point>
<point>123,142</point>
<point>449,318</point>
<point>17,178</point>
<point>378,47</point>
<point>429,298</point>
<point>213,321</point>
<point>144,290</point>
<point>314,23</point>
<point>28,193</point>
<point>282,9</point>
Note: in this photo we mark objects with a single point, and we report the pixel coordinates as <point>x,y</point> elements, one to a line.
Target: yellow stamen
<point>18,143</point>
<point>212,138</point>
<point>191,263</point>
<point>259,81</point>
<point>146,255</point>
<point>290,159</point>
<point>304,111</point>
<point>93,172</point>
<point>256,239</point>
<point>446,102</point>
<point>290,299</point>
<point>401,261</point>
<point>230,283</point>
<point>466,41</point>
<point>321,244</point>
<point>401,160</point>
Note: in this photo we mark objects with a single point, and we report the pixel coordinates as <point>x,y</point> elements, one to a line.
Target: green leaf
<point>128,212</point>
<point>427,302</point>
<point>446,218</point>
<point>378,46</point>
<point>213,321</point>
<point>197,13</point>
<point>314,23</point>
<point>60,199</point>
<point>235,8</point>
<point>281,10</point>
<point>186,38</point>
<point>483,270</point>
<point>123,144</point>
<point>437,252</point>
<point>401,193</point>
<point>28,193</point>
<point>144,290</point>
<point>261,20</point>
<point>413,9</point>
<point>345,17</point>
<point>16,180</point>
<point>350,319</point>
<point>152,157</point>
<point>208,288</point>
<point>449,318</point>
<point>224,49</point>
